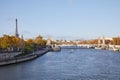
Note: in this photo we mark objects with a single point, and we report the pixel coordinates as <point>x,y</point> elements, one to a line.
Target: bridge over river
<point>80,64</point>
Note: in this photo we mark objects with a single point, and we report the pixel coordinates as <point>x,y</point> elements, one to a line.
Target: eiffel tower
<point>16,29</point>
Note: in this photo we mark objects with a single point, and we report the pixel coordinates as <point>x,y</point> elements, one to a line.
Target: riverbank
<point>24,58</point>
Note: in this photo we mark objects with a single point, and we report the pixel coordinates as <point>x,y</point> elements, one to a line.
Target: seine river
<point>69,64</point>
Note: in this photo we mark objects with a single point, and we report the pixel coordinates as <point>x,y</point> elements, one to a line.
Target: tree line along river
<point>69,64</point>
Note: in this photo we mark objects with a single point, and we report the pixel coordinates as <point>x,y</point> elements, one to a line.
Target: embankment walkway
<point>23,58</point>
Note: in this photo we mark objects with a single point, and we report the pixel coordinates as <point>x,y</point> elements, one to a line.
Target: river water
<point>69,64</point>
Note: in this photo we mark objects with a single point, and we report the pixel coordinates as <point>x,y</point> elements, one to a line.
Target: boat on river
<point>56,48</point>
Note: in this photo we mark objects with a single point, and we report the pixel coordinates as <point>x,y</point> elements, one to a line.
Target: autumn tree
<point>116,41</point>
<point>39,40</point>
<point>7,42</point>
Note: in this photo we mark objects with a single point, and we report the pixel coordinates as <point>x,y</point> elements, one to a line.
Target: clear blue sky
<point>61,18</point>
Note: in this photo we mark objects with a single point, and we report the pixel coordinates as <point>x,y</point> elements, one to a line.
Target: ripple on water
<point>80,64</point>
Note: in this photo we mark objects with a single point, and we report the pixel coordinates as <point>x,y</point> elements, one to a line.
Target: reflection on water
<point>69,64</point>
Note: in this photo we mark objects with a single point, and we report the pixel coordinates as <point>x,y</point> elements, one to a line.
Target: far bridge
<point>80,46</point>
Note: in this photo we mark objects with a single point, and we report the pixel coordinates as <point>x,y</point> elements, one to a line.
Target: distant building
<point>48,41</point>
<point>104,41</point>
